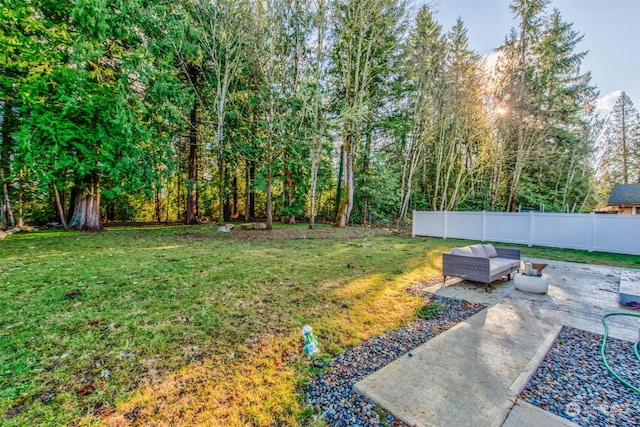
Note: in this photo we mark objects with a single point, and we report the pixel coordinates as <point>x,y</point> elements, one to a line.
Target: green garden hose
<point>604,343</point>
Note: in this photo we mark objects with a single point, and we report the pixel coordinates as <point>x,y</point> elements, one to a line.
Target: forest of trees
<point>346,111</point>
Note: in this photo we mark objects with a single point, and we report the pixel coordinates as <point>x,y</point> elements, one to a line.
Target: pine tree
<point>619,161</point>
<point>366,36</point>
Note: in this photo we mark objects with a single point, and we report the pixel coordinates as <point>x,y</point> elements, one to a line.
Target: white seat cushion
<point>496,265</point>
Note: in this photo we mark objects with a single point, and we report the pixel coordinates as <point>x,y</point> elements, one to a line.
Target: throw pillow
<point>478,251</point>
<point>462,251</point>
<point>490,250</point>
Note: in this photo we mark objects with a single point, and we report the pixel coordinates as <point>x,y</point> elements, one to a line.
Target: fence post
<point>530,229</point>
<point>593,230</point>
<point>484,226</point>
<point>413,224</point>
<point>444,232</point>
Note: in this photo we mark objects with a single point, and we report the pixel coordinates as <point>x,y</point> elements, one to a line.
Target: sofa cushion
<point>490,250</point>
<point>466,251</point>
<point>478,251</point>
<point>497,265</point>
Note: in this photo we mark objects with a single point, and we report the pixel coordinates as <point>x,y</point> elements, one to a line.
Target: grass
<point>185,325</point>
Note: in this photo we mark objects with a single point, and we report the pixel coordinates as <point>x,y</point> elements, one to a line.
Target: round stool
<point>532,284</point>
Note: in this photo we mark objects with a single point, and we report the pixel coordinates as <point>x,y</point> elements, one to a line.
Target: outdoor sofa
<point>480,263</point>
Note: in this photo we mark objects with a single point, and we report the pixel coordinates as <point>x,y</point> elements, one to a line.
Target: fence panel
<point>562,230</point>
<point>428,224</point>
<point>507,227</point>
<point>617,233</point>
<point>605,233</point>
<point>464,225</point>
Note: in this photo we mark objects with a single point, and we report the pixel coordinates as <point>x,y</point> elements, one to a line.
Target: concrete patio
<point>472,374</point>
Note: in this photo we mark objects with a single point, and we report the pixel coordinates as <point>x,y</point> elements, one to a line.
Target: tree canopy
<point>346,111</point>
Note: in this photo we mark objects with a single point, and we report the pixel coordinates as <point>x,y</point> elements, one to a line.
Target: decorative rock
<point>230,226</point>
<point>254,226</point>
<point>223,229</point>
<point>332,394</point>
<point>3,234</point>
<point>573,383</point>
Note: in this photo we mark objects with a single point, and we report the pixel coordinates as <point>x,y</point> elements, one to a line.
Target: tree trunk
<point>234,213</point>
<point>270,162</point>
<point>7,203</point>
<point>365,174</point>
<point>348,166</point>
<point>221,167</point>
<point>20,201</point>
<point>408,180</point>
<point>192,214</point>
<point>314,183</point>
<point>87,210</point>
<point>157,201</point>
<point>625,169</point>
<point>250,206</point>
<point>339,184</point>
<point>73,198</point>
<point>60,208</point>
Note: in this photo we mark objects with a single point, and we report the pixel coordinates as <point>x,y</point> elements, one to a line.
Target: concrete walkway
<point>472,374</point>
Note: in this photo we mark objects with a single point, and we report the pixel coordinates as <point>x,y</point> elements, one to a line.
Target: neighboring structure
<point>626,198</point>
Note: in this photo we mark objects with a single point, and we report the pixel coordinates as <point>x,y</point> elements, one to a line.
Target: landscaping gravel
<point>331,393</point>
<point>573,383</point>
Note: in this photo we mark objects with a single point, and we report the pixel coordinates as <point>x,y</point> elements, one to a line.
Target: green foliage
<point>429,310</point>
<point>101,93</point>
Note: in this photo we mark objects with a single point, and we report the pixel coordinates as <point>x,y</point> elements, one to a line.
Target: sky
<point>611,30</point>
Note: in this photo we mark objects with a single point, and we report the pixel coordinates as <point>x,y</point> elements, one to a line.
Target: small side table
<point>532,284</point>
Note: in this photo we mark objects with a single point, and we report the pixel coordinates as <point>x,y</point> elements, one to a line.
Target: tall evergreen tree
<point>547,98</point>
<point>89,120</point>
<point>619,161</point>
<point>365,35</point>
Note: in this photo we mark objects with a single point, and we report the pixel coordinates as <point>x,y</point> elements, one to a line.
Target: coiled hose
<point>604,343</point>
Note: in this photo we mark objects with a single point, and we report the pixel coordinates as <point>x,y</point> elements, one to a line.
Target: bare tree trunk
<point>494,187</point>
<point>234,213</point>
<point>249,209</point>
<point>625,169</point>
<point>7,203</point>
<point>406,196</point>
<point>20,201</point>
<point>192,187</point>
<point>316,144</point>
<point>513,190</point>
<point>87,214</point>
<point>346,198</point>
<point>222,88</point>
<point>314,183</point>
<point>439,163</point>
<point>157,210</point>
<point>270,162</point>
<point>61,214</point>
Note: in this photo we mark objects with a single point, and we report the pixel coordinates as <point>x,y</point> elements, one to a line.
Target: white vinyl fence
<point>591,232</point>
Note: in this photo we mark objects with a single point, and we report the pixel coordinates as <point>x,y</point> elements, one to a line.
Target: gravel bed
<point>331,392</point>
<point>572,382</point>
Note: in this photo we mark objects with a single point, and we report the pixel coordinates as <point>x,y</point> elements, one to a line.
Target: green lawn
<point>179,324</point>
